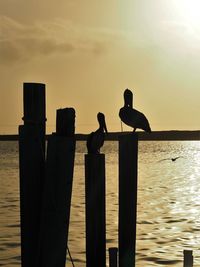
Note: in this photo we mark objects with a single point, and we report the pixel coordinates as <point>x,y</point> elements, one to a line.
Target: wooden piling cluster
<point>46,188</point>
<point>45,181</point>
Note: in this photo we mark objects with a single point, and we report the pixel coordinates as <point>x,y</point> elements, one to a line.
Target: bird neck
<point>101,128</point>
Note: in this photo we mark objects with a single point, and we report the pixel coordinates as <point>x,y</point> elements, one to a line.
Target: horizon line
<point>113,136</point>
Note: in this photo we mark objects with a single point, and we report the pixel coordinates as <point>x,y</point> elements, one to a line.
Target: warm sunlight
<point>189,11</point>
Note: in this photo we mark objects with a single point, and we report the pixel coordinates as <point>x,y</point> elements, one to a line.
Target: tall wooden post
<point>31,166</point>
<point>128,164</point>
<point>57,192</point>
<point>113,257</point>
<point>35,108</point>
<point>95,210</point>
<point>188,258</point>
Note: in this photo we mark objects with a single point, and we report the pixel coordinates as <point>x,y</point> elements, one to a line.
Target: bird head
<point>128,98</point>
<point>102,122</point>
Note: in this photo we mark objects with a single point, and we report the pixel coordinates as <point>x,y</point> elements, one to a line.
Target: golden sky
<point>87,52</point>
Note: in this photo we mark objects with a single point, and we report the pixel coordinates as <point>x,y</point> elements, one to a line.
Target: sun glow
<point>189,10</point>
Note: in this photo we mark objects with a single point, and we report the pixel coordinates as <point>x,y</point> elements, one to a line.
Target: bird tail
<point>148,129</point>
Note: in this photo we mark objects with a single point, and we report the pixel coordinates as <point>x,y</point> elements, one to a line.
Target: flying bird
<point>172,159</point>
<point>131,116</point>
<point>96,139</point>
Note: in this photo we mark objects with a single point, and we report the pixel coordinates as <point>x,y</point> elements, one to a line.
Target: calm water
<point>168,203</point>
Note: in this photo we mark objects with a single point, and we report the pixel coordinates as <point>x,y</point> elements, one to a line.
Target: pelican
<point>131,116</point>
<point>95,140</point>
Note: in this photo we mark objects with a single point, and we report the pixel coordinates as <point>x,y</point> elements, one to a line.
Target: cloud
<point>171,39</point>
<point>19,42</point>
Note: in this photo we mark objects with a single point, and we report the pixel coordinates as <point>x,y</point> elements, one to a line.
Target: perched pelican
<point>96,139</point>
<point>131,116</point>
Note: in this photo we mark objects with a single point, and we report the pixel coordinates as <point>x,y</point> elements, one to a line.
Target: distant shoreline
<point>172,135</point>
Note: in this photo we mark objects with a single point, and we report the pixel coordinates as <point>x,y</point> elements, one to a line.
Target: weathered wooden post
<point>58,191</point>
<point>95,210</point>
<point>113,257</point>
<point>32,167</point>
<point>188,258</point>
<point>128,167</point>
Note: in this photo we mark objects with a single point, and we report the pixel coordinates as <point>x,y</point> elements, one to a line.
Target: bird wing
<point>179,157</point>
<point>164,159</point>
<point>176,158</point>
<point>95,141</point>
<point>141,121</point>
<point>89,142</point>
<point>125,115</point>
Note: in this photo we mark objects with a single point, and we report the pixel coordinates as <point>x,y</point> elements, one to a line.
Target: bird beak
<point>130,102</point>
<point>105,127</point>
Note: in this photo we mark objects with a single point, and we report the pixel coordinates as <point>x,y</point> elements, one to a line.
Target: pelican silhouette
<point>131,116</point>
<point>95,139</point>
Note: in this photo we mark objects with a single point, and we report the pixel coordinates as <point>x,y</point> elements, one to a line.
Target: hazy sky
<point>87,52</point>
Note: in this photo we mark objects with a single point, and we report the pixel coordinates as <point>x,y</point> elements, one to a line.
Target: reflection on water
<point>168,203</point>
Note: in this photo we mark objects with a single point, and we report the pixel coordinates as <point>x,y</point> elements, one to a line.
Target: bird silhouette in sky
<point>131,116</point>
<point>172,159</point>
<point>96,139</point>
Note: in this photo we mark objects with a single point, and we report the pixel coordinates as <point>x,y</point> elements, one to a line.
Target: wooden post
<point>31,166</point>
<point>95,210</point>
<point>128,164</point>
<point>113,257</point>
<point>188,258</point>
<point>65,122</point>
<point>35,108</point>
<point>57,196</point>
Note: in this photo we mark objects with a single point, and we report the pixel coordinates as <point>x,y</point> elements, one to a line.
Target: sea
<point>168,212</point>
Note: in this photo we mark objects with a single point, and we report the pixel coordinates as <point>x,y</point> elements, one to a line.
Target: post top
<point>128,135</point>
<point>33,84</point>
<point>187,251</point>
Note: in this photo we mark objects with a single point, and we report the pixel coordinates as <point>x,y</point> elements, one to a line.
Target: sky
<point>88,52</point>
